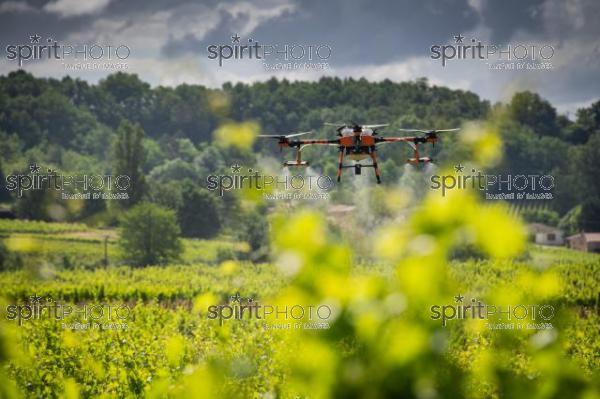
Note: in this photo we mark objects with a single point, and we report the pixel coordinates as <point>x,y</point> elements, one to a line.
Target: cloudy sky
<point>375,39</point>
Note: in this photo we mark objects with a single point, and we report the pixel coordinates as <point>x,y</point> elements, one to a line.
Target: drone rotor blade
<point>282,136</point>
<point>446,130</point>
<point>376,126</point>
<point>429,131</point>
<point>298,134</point>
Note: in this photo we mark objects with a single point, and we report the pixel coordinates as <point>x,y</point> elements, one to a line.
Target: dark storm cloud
<point>32,16</point>
<point>544,19</point>
<point>579,79</point>
<point>190,43</point>
<point>359,31</point>
<point>121,8</point>
<point>17,24</point>
<point>367,31</point>
<point>578,19</point>
<point>362,33</point>
<point>573,29</point>
<point>505,18</point>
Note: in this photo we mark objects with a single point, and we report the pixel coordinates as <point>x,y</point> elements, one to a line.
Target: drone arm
<point>298,143</point>
<point>395,139</point>
<point>413,142</point>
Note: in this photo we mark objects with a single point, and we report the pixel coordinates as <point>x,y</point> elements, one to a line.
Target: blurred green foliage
<point>381,341</point>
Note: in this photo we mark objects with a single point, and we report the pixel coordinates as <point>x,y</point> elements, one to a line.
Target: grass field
<point>171,349</point>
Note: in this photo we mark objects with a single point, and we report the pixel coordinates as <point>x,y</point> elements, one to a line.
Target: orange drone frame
<point>358,142</point>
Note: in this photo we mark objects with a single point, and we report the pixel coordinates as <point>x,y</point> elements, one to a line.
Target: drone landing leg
<point>339,175</point>
<point>377,171</point>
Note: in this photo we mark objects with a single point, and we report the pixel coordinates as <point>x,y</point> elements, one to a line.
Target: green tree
<point>570,221</point>
<point>150,235</point>
<point>4,193</point>
<point>254,229</point>
<point>199,214</point>
<point>129,158</point>
<point>531,110</point>
<point>589,220</point>
<point>587,123</point>
<point>589,167</point>
<point>545,216</point>
<point>166,194</point>
<point>123,95</point>
<point>92,206</point>
<point>34,205</point>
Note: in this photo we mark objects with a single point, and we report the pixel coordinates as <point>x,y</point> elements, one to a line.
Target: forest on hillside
<point>164,138</point>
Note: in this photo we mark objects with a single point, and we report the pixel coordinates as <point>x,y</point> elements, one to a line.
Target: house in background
<point>543,234</point>
<point>586,242</point>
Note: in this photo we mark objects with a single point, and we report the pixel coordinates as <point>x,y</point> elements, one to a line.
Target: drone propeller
<point>284,136</point>
<point>376,126</point>
<point>353,125</point>
<point>432,131</point>
<point>456,129</point>
<point>430,134</point>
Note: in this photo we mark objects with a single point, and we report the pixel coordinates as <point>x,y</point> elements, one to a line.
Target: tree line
<point>163,138</point>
